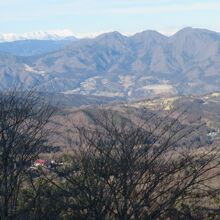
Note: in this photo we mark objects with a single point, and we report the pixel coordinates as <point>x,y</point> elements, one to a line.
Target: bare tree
<point>23,136</point>
<point>126,170</point>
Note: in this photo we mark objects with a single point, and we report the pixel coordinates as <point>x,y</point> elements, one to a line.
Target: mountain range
<point>30,47</point>
<point>146,64</point>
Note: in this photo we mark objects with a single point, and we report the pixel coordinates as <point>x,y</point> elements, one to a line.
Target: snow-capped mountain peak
<point>38,35</point>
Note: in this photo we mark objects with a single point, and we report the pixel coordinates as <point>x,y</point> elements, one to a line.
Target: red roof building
<point>40,163</point>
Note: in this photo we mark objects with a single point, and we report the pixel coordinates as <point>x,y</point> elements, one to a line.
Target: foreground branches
<point>23,136</point>
<point>125,170</point>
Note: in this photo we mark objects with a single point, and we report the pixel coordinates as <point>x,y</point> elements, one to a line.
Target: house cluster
<point>46,164</point>
<point>214,135</point>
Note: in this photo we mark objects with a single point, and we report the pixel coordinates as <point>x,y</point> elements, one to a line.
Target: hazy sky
<point>94,16</point>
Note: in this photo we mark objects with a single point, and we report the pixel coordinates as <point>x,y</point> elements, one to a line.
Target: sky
<point>91,17</point>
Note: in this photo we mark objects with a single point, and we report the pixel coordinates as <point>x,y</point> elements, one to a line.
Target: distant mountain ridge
<point>33,47</point>
<point>146,64</point>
